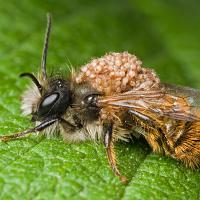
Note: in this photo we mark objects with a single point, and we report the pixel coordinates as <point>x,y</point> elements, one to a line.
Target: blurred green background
<point>163,34</point>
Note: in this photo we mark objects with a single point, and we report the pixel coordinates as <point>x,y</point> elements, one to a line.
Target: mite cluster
<point>116,73</point>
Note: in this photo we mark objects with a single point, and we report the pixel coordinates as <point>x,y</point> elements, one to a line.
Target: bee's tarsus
<point>123,179</point>
<point>4,139</point>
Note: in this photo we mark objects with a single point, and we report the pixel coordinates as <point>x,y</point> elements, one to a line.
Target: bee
<point>110,99</point>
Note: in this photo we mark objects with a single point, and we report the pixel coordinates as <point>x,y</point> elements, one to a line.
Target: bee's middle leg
<point>109,145</point>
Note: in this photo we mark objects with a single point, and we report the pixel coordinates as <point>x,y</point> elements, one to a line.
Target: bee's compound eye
<point>49,100</point>
<point>47,105</point>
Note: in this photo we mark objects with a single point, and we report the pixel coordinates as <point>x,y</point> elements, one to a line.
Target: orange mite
<point>110,99</point>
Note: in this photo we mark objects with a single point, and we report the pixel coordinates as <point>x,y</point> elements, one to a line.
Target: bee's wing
<point>176,102</point>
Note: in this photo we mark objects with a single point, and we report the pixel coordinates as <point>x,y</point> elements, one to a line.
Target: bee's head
<point>48,100</point>
<point>55,99</point>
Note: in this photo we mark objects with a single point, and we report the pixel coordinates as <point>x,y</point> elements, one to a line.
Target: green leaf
<point>164,34</point>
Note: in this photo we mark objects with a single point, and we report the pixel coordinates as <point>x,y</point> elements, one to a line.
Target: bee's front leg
<point>109,145</point>
<point>36,129</point>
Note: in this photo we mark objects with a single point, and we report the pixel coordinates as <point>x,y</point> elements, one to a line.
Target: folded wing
<point>175,102</point>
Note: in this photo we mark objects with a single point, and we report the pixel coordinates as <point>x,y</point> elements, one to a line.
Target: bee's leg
<point>68,126</point>
<point>109,145</point>
<point>144,118</point>
<point>77,121</point>
<point>38,128</point>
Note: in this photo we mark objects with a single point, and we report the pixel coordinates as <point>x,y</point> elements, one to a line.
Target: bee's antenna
<point>34,79</point>
<point>45,49</point>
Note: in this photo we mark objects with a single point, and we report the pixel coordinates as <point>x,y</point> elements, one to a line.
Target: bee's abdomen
<point>181,142</point>
<point>187,146</point>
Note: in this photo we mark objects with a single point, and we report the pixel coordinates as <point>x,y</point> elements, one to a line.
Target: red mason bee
<point>110,99</point>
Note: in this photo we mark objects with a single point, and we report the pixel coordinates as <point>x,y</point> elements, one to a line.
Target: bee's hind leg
<point>109,145</point>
